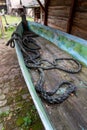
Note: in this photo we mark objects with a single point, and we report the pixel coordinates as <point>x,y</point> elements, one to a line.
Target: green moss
<point>37,126</point>
<point>18,98</point>
<point>20,104</point>
<point>19,121</point>
<point>27,120</point>
<point>4,114</point>
<point>3,128</point>
<point>23,91</point>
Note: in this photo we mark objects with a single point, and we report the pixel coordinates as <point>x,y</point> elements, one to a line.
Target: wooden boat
<point>72,113</point>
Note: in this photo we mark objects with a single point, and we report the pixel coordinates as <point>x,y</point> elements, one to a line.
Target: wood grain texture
<point>79,27</point>
<point>58,16</point>
<point>71,114</point>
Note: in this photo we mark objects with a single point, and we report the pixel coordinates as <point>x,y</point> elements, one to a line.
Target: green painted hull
<point>41,111</point>
<point>75,46</point>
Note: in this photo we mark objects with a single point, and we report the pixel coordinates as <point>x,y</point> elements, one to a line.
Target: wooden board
<point>72,113</point>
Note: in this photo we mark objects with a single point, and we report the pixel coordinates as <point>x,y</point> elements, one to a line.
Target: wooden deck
<point>72,113</point>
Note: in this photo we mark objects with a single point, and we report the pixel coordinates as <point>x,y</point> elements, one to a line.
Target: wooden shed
<point>67,15</point>
<point>3,5</point>
<point>36,9</point>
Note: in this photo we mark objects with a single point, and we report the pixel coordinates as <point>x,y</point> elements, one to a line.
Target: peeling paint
<point>75,46</point>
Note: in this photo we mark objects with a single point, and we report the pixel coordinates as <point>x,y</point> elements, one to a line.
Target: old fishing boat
<point>54,60</point>
<point>54,66</point>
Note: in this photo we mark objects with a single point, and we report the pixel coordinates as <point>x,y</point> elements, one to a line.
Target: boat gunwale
<point>75,46</point>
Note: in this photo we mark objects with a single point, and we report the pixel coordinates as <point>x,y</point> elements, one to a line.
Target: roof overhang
<point>31,3</point>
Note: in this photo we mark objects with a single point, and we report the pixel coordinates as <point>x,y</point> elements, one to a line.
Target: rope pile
<point>33,60</point>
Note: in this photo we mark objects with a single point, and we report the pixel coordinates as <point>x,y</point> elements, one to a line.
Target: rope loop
<point>33,60</point>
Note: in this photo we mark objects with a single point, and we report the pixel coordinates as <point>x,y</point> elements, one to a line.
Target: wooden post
<point>1,26</point>
<point>71,15</point>
<point>46,12</point>
<point>45,9</point>
<point>23,17</point>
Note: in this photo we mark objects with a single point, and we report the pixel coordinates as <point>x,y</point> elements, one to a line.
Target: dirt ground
<point>17,111</point>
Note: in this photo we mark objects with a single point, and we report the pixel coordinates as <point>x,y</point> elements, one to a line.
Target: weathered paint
<point>19,29</point>
<point>43,115</point>
<point>75,46</point>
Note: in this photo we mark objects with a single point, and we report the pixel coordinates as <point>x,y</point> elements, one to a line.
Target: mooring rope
<point>33,60</point>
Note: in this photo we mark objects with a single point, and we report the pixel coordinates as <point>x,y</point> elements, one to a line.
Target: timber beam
<point>46,12</point>
<point>71,15</point>
<point>45,9</point>
<point>41,5</point>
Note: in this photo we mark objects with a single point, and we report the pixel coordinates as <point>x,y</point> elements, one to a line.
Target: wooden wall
<point>59,13</point>
<point>79,26</point>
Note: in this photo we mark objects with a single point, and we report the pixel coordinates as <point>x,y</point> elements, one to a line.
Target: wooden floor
<point>72,113</point>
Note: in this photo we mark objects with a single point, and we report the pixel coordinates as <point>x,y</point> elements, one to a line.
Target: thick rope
<point>33,60</point>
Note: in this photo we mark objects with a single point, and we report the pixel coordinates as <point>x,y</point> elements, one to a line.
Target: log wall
<point>59,13</point>
<point>79,26</point>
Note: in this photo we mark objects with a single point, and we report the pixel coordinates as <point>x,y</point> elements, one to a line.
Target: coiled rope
<point>34,61</point>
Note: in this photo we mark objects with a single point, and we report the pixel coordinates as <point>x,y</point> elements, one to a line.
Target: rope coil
<point>33,60</point>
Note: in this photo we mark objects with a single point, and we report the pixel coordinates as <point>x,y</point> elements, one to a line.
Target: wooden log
<point>58,18</point>
<point>58,7</point>
<point>56,27</point>
<point>79,27</point>
<point>63,13</point>
<point>81,23</point>
<point>62,24</point>
<point>81,15</point>
<point>60,2</point>
<point>79,32</point>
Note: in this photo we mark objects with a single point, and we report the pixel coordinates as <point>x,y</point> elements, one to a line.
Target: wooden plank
<point>60,2</point>
<point>81,15</point>
<point>79,27</point>
<point>64,12</point>
<point>60,11</point>
<point>72,114</point>
<point>82,24</point>
<point>60,23</point>
<point>57,27</point>
<point>79,32</point>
